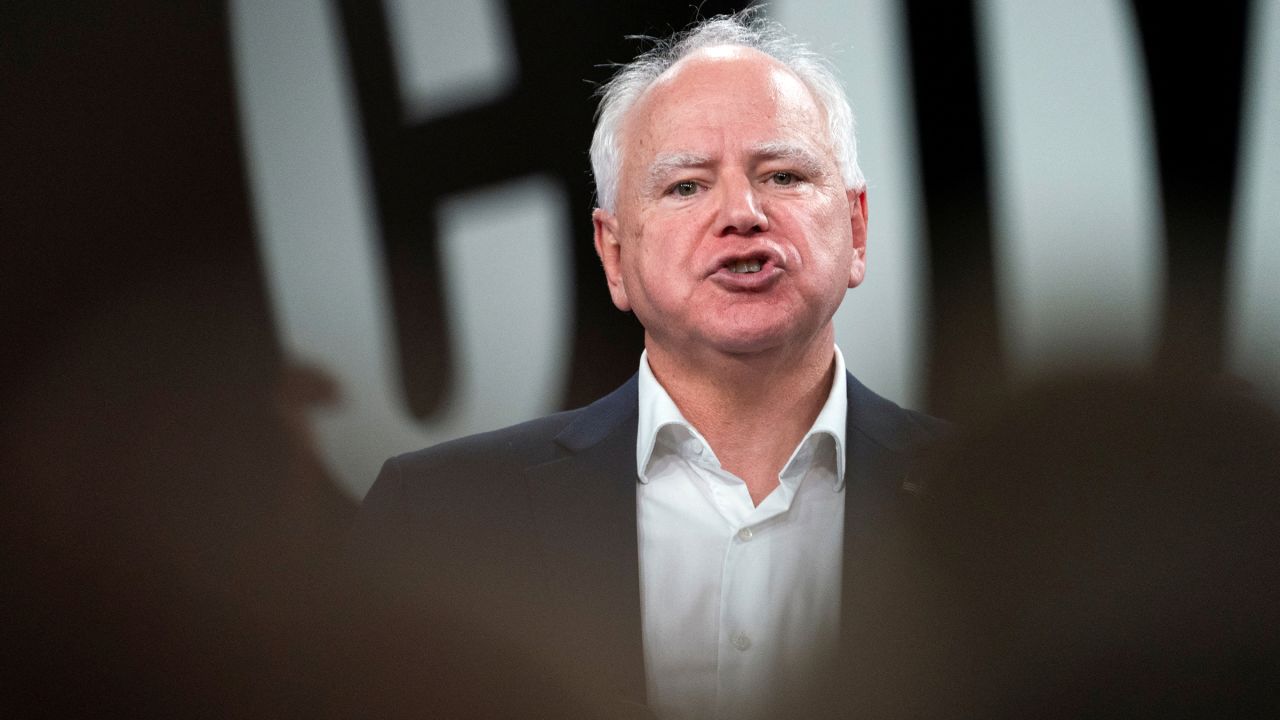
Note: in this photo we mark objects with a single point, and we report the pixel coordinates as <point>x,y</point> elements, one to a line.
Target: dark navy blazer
<point>534,526</point>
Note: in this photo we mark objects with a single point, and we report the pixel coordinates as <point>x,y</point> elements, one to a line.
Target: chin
<point>748,341</point>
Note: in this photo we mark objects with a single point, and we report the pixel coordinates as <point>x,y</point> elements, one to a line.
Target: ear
<point>858,223</point>
<point>610,252</point>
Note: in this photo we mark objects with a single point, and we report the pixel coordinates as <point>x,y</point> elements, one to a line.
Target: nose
<point>740,209</point>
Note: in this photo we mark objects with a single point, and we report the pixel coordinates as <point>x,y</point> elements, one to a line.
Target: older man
<point>698,535</point>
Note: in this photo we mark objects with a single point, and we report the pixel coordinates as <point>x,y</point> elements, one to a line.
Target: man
<point>696,538</point>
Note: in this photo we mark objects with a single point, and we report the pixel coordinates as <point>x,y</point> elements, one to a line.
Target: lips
<point>752,268</point>
<point>747,261</point>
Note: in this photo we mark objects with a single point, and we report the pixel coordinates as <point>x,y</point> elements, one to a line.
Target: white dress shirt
<point>735,598</point>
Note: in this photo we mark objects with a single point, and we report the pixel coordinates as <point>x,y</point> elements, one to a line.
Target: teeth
<point>746,266</point>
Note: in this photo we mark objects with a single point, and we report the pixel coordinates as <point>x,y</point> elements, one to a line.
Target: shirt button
<point>745,534</point>
<point>741,641</point>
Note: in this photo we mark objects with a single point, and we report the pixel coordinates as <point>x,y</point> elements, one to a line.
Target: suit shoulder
<point>892,426</point>
<point>483,466</point>
<point>927,428</point>
<point>456,478</point>
<point>522,444</point>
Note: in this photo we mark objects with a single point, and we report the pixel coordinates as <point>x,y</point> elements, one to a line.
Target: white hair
<point>744,29</point>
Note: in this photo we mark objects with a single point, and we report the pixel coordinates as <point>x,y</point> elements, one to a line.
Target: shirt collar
<point>657,410</point>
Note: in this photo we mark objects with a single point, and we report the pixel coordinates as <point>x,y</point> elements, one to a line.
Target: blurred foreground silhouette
<point>1099,546</point>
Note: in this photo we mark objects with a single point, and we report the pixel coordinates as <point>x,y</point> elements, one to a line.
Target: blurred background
<point>252,249</point>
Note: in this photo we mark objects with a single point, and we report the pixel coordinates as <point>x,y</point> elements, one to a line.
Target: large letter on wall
<point>506,265</point>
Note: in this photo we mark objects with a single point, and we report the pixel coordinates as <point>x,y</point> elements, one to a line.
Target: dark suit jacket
<point>531,530</point>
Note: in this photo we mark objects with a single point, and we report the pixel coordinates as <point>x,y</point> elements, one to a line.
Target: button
<point>745,534</point>
<point>741,641</point>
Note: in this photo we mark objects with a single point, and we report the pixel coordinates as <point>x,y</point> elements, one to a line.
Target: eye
<point>783,177</point>
<point>685,188</point>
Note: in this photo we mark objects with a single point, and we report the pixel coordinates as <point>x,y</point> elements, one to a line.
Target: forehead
<point>721,94</point>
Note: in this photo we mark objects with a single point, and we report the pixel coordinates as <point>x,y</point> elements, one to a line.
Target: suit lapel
<point>584,506</point>
<point>880,451</point>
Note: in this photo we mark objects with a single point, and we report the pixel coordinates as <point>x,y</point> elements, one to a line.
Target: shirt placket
<point>739,644</point>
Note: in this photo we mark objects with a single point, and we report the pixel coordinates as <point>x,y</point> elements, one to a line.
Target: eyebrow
<point>808,163</point>
<point>804,159</point>
<point>664,164</point>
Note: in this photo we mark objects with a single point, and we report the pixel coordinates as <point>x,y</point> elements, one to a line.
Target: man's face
<point>732,232</point>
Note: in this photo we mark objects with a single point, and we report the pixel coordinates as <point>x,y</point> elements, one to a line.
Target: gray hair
<point>745,29</point>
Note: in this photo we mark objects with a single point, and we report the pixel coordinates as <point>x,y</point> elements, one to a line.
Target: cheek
<point>829,239</point>
<point>645,263</point>
<point>662,242</point>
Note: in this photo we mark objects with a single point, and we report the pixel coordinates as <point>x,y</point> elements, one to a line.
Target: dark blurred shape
<point>1099,547</point>
<point>143,457</point>
<point>1197,144</point>
<point>965,360</point>
<point>310,502</point>
<point>169,538</point>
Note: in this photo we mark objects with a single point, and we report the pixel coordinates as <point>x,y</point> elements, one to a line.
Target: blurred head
<point>1099,547</point>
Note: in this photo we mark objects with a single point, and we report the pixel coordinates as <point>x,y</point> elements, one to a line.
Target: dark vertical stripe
<point>964,364</point>
<point>1194,63</point>
<point>405,215</point>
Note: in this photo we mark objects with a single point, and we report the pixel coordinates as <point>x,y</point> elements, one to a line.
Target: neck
<point>752,409</point>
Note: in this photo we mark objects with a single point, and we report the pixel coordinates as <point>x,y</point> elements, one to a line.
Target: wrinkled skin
<point>727,162</point>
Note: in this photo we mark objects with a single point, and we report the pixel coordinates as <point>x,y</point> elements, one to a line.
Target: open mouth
<point>748,268</point>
